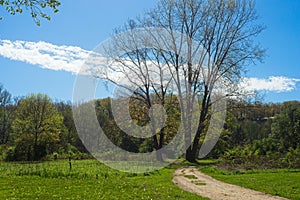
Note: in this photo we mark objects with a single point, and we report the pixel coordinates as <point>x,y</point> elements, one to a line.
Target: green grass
<point>88,180</point>
<point>197,182</point>
<point>190,176</point>
<point>279,182</point>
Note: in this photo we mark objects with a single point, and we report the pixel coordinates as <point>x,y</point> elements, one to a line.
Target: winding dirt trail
<point>190,179</point>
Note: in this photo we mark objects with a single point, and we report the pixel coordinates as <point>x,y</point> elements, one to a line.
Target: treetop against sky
<point>46,58</point>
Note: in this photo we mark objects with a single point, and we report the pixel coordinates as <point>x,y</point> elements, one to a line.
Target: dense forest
<point>34,128</point>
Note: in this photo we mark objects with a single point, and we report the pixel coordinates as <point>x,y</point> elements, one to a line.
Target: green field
<point>279,182</point>
<point>88,180</point>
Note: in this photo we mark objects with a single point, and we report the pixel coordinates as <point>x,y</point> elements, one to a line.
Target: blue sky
<point>86,23</point>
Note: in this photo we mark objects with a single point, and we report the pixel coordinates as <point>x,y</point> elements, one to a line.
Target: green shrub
<point>9,154</point>
<point>260,156</point>
<point>292,158</point>
<point>55,156</point>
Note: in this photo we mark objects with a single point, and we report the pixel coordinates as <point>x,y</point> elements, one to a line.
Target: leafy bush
<point>261,155</point>
<point>292,158</point>
<point>9,154</point>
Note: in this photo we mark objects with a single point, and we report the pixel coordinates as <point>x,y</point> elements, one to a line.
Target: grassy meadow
<point>279,182</point>
<point>88,179</point>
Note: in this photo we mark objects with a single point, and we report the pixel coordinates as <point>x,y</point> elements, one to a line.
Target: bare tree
<point>6,114</point>
<point>203,44</point>
<point>141,75</point>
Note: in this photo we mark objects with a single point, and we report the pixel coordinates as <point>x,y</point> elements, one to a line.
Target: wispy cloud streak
<point>72,58</point>
<point>45,55</point>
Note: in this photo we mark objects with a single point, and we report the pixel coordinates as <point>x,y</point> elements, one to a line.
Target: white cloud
<point>272,84</point>
<point>45,55</point>
<point>72,58</point>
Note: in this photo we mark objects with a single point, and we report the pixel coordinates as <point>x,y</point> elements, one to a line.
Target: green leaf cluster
<point>37,8</point>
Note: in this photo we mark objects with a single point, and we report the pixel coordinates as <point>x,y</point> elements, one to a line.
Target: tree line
<point>254,134</point>
<point>34,127</point>
<point>261,135</point>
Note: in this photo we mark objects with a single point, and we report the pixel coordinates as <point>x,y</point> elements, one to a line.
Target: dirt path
<point>190,179</point>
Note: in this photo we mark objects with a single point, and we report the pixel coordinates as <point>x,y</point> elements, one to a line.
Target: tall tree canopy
<point>286,126</point>
<point>37,127</point>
